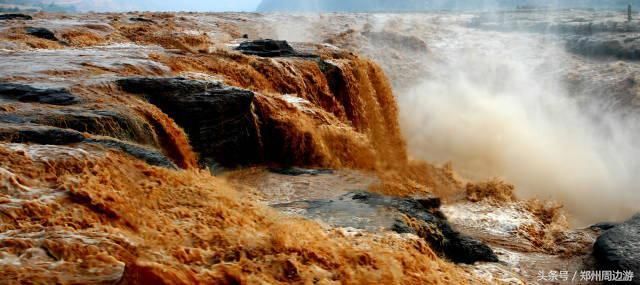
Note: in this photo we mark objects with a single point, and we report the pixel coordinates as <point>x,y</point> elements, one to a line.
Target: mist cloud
<point>496,106</point>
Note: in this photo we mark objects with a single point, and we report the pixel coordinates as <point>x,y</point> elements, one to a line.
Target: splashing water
<point>495,104</point>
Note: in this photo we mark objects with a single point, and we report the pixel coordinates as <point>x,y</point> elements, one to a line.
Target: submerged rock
<point>26,93</point>
<point>421,216</point>
<point>217,118</point>
<point>39,134</point>
<point>41,33</point>
<point>15,17</point>
<point>148,155</point>
<point>619,247</point>
<point>269,48</point>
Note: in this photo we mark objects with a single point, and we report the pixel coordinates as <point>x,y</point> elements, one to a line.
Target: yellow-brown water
<point>87,210</point>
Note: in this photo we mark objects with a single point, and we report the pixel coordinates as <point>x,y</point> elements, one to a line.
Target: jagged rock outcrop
<point>217,118</point>
<point>420,216</point>
<point>618,248</point>
<point>26,93</point>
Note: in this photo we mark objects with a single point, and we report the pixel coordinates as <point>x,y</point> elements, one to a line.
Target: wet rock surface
<point>604,226</point>
<point>269,48</point>
<point>375,212</point>
<point>217,118</point>
<point>26,93</point>
<point>55,116</point>
<point>39,134</point>
<point>15,17</point>
<point>619,247</point>
<point>41,33</point>
<point>119,123</point>
<point>48,135</point>
<point>148,155</point>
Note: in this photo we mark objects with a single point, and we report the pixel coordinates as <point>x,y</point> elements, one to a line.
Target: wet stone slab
<point>374,212</point>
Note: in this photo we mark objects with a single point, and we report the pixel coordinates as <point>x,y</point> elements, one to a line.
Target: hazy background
<point>426,5</point>
<point>308,5</point>
<point>142,5</point>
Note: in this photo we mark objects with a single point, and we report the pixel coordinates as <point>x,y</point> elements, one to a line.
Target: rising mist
<point>496,105</point>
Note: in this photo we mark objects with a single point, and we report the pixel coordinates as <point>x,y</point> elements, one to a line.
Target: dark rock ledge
<point>48,135</point>
<point>618,248</point>
<point>420,216</point>
<point>217,118</point>
<point>41,33</point>
<point>15,17</point>
<point>146,154</point>
<point>29,94</point>
<point>270,48</point>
